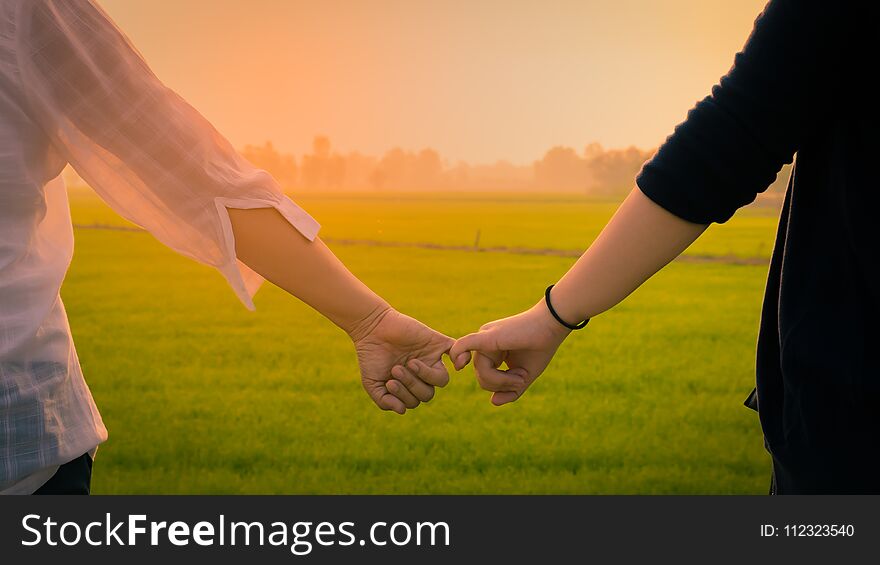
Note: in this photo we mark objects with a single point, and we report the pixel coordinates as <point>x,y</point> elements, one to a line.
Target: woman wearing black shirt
<point>792,90</point>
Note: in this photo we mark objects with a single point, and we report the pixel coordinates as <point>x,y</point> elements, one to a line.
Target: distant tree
<point>335,171</point>
<point>377,179</point>
<point>358,169</point>
<point>428,169</point>
<point>499,176</point>
<point>593,150</point>
<point>391,170</point>
<point>404,170</point>
<point>266,157</point>
<point>613,172</point>
<point>561,169</point>
<point>321,147</point>
<point>321,168</point>
<point>600,171</point>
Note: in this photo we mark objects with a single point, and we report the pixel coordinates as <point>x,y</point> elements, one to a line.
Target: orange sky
<point>478,80</point>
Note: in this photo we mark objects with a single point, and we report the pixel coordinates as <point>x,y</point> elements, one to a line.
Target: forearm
<point>639,240</point>
<point>269,245</point>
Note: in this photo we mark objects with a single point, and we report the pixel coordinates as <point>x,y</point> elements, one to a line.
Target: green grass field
<point>202,396</point>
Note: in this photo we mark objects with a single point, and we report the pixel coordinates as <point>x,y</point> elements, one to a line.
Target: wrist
<point>563,306</point>
<point>562,320</point>
<point>362,325</point>
<point>549,326</point>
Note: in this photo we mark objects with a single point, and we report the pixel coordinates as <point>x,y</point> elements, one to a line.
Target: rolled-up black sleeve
<point>735,141</point>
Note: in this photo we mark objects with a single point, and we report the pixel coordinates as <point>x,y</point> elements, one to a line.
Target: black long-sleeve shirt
<point>800,86</point>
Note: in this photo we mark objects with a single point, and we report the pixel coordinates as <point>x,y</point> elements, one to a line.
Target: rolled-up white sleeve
<point>149,154</point>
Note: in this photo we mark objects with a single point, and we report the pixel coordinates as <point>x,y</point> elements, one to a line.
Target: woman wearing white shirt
<point>74,90</point>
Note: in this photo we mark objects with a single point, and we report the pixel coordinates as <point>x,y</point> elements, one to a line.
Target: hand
<point>525,342</point>
<point>400,360</point>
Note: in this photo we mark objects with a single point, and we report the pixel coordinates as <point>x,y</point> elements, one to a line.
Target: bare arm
<point>400,358</point>
<point>269,245</point>
<point>731,146</point>
<point>639,240</point>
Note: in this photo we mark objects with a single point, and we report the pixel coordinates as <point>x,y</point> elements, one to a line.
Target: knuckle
<point>487,384</point>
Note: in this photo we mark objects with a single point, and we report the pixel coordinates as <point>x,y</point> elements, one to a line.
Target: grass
<point>538,221</point>
<point>202,396</point>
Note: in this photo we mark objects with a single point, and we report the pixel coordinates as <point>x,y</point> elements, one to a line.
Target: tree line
<point>595,170</point>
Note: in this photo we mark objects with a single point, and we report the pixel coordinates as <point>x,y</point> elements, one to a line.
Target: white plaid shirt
<point>74,90</point>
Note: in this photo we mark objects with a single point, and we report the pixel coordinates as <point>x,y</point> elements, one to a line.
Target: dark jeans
<point>74,477</point>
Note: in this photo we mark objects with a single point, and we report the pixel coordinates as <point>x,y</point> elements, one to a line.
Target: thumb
<point>460,350</point>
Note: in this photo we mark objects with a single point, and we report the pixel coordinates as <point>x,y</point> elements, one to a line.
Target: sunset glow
<point>476,81</point>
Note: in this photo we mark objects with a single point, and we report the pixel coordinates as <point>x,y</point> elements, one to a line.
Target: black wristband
<point>559,319</point>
